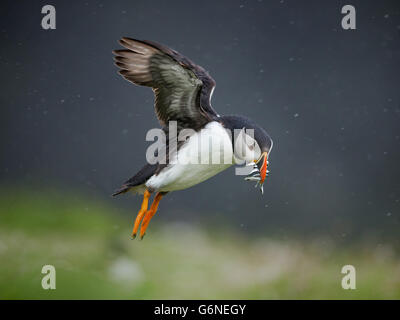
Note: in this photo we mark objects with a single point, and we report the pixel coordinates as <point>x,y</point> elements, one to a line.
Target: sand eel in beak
<point>259,172</point>
<point>183,93</point>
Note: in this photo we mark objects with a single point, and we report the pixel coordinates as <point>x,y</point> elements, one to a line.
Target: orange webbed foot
<point>149,214</point>
<point>141,213</point>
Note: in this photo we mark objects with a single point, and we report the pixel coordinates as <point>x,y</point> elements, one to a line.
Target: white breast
<point>197,160</point>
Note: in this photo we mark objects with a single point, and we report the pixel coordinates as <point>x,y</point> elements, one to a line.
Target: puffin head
<point>261,147</point>
<point>252,145</point>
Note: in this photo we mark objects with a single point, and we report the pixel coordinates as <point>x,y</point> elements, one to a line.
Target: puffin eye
<point>251,144</point>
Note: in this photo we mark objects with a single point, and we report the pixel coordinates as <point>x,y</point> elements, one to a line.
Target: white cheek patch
<point>246,147</point>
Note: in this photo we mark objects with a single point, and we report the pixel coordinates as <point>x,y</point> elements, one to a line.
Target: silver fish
<point>255,175</point>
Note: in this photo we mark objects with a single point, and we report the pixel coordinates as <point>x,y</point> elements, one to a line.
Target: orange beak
<point>262,165</point>
<point>260,171</point>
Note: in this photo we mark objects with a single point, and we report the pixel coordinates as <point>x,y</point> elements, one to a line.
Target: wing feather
<point>182,89</point>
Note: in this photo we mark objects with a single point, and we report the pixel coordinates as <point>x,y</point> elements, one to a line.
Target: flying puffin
<point>183,93</point>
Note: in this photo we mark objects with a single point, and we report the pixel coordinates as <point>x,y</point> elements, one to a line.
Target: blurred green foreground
<point>89,245</point>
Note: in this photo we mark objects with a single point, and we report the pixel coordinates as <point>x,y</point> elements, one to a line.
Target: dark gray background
<point>329,98</point>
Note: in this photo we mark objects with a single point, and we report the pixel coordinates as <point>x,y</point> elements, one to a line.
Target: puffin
<point>183,92</point>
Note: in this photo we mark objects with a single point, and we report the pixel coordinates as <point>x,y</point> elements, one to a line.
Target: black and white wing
<point>182,89</point>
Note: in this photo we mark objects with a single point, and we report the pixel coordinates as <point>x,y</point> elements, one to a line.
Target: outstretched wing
<point>182,89</point>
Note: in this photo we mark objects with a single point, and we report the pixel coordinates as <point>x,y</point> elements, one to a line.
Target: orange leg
<point>150,214</point>
<point>141,213</point>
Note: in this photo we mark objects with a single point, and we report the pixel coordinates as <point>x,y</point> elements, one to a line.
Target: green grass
<point>89,245</point>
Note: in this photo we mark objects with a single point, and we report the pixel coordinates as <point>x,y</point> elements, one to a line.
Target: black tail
<point>121,190</point>
<point>139,178</point>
